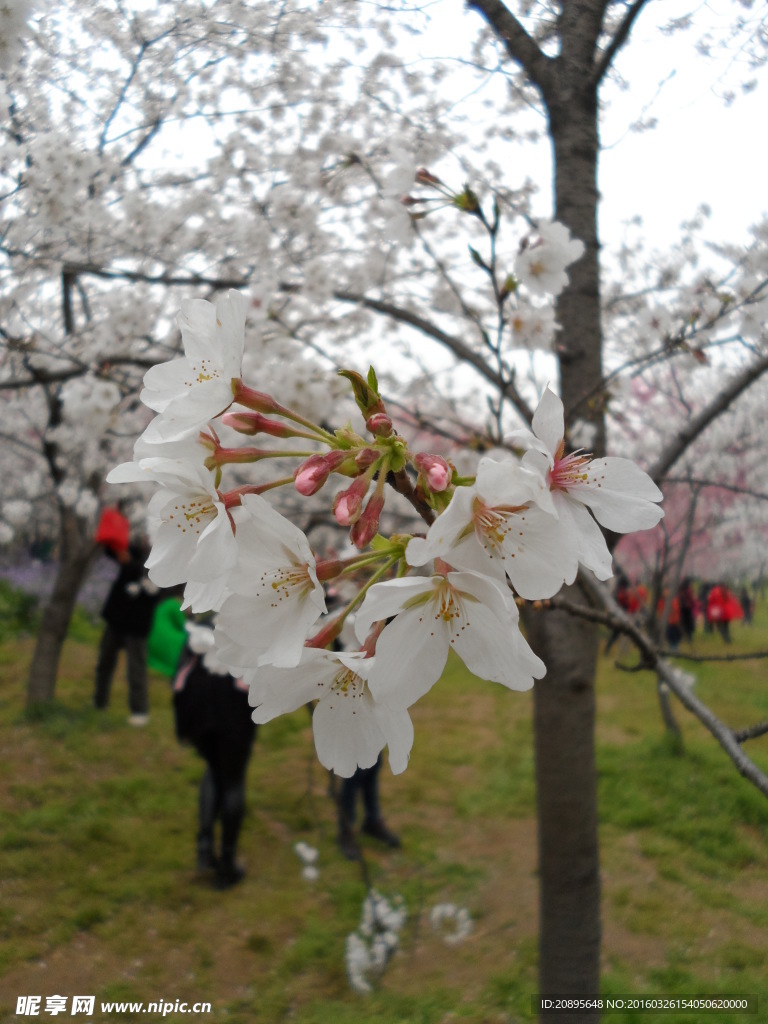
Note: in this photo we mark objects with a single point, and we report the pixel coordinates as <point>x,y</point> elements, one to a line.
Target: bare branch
<point>620,37</point>
<point>143,142</point>
<point>462,351</point>
<point>751,733</point>
<point>746,656</point>
<point>724,736</point>
<point>121,96</point>
<point>698,482</point>
<point>403,485</point>
<point>688,434</point>
<point>520,47</point>
<point>654,660</point>
<point>184,280</point>
<point>67,279</point>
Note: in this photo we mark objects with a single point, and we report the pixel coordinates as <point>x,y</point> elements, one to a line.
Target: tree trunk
<point>564,702</point>
<point>566,782</point>
<point>76,554</point>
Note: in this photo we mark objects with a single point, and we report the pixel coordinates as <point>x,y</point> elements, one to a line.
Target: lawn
<point>98,893</point>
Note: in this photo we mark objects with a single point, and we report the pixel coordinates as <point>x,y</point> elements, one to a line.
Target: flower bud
<point>435,470</point>
<point>379,424</point>
<point>312,474</point>
<point>251,423</point>
<point>425,177</point>
<point>366,457</point>
<point>367,526</point>
<point>347,505</point>
<point>256,400</point>
<point>366,392</point>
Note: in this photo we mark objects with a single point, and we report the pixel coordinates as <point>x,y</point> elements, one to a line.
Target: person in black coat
<point>128,613</point>
<point>212,713</point>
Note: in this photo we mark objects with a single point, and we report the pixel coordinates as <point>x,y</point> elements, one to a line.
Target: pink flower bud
<point>367,526</point>
<point>425,177</point>
<point>435,471</point>
<point>251,423</point>
<point>365,458</point>
<point>256,400</point>
<point>327,634</point>
<point>312,474</point>
<point>347,505</point>
<point>379,424</point>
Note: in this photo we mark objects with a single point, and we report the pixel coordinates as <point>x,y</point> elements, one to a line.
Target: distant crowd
<point>676,616</point>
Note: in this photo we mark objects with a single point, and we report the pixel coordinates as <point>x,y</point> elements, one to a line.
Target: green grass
<point>98,894</point>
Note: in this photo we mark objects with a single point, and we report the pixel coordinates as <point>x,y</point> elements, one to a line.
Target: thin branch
<point>751,733</point>
<point>620,37</point>
<point>41,378</point>
<point>688,434</point>
<point>218,283</point>
<point>121,96</point>
<point>747,656</point>
<point>653,659</point>
<point>693,481</point>
<point>403,485</point>
<point>67,315</point>
<point>462,351</point>
<point>143,142</point>
<point>520,47</point>
<point>724,736</point>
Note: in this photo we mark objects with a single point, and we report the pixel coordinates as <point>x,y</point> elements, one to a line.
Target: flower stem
<point>260,402</point>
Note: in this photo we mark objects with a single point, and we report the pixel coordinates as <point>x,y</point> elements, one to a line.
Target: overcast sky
<point>701,150</point>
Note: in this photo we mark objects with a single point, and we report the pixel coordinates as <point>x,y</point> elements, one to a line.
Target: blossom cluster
<point>444,914</point>
<point>520,528</point>
<point>524,285</point>
<point>370,948</point>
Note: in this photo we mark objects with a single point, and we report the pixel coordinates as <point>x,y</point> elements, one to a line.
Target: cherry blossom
<point>495,527</point>
<point>350,727</point>
<point>619,494</point>
<point>193,537</point>
<point>541,265</point>
<point>533,327</point>
<point>197,387</point>
<point>473,614</point>
<point>275,596</point>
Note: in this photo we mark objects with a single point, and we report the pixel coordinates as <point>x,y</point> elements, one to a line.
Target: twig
<point>750,733</point>
<point>653,659</point>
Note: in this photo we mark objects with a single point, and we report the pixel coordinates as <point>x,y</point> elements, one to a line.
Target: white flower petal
<point>548,423</point>
<point>386,599</point>
<point>347,732</point>
<point>586,536</point>
<point>278,691</point>
<point>622,497</point>
<point>410,657</point>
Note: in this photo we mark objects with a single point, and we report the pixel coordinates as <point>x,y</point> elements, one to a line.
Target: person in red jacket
<point>722,609</point>
<point>628,600</point>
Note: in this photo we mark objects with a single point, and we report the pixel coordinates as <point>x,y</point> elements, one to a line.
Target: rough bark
<point>76,550</point>
<point>566,784</point>
<point>76,554</point>
<point>569,861</point>
<point>564,702</point>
